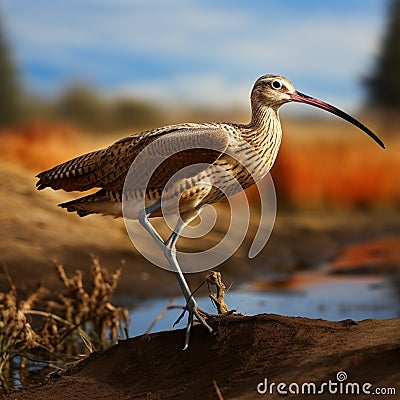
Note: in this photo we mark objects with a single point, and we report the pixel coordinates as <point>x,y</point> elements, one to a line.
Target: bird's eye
<point>276,84</point>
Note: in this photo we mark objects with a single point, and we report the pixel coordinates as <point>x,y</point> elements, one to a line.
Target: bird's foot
<point>196,312</point>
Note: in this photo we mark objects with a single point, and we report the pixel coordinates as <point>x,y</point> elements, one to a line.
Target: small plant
<point>59,328</point>
<point>91,309</point>
<point>17,336</point>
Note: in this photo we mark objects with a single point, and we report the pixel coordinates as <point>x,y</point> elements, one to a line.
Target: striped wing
<point>185,145</point>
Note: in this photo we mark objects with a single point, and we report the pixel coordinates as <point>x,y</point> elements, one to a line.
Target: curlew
<point>244,152</point>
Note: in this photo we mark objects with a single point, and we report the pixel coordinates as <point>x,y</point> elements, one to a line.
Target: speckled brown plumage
<point>242,152</point>
<point>107,168</point>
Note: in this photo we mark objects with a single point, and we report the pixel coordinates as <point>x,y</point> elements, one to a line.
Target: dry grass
<point>55,329</point>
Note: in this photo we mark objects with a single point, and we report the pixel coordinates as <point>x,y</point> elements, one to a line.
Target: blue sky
<point>198,52</point>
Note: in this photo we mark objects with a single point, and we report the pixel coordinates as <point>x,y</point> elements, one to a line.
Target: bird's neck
<point>264,134</point>
<point>264,124</point>
<point>261,116</point>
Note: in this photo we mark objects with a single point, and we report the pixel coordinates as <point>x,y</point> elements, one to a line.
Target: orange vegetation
<point>320,171</point>
<point>378,253</point>
<point>40,146</point>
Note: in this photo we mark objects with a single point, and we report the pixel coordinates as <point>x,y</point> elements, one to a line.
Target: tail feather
<point>80,173</point>
<point>97,203</point>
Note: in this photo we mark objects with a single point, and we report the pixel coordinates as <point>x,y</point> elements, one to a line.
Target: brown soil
<point>244,351</point>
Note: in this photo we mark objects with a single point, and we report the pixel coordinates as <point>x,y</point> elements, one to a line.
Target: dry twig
<point>217,390</point>
<point>218,298</point>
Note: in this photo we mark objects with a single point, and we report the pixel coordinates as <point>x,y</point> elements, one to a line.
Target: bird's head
<point>272,91</point>
<point>275,90</point>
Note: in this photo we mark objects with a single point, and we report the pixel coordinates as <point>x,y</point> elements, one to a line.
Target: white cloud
<point>200,52</point>
<point>208,90</point>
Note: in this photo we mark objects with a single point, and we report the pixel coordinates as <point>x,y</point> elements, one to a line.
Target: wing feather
<point>172,151</point>
<point>107,168</point>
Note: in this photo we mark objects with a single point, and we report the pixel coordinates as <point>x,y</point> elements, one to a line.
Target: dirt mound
<point>244,351</point>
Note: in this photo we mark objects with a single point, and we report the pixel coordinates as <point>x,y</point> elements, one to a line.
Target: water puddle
<point>306,295</point>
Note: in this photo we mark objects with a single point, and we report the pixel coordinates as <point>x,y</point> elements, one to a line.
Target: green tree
<point>383,85</point>
<point>10,91</point>
<point>81,105</point>
<point>85,107</point>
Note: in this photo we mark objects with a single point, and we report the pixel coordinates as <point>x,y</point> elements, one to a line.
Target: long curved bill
<point>303,98</point>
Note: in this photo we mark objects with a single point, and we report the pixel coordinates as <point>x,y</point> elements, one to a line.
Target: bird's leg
<point>169,248</point>
<point>191,305</point>
<point>143,217</point>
